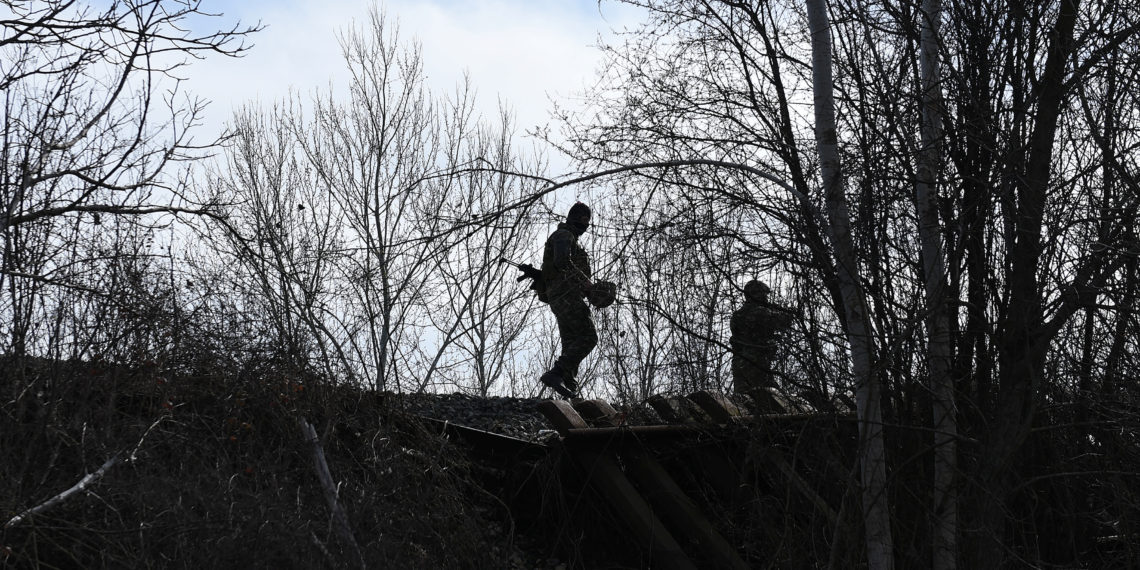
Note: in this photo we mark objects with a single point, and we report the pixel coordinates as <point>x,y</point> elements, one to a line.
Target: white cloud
<point>519,51</point>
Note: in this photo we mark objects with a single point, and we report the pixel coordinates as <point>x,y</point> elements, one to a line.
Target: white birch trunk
<point>82,485</point>
<point>872,460</point>
<point>340,522</point>
<point>944,497</point>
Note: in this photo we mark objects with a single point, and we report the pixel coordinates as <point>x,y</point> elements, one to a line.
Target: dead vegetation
<point>216,473</point>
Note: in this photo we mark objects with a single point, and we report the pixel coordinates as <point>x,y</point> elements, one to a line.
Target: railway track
<point>678,483</point>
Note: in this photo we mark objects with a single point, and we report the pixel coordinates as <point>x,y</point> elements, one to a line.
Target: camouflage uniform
<point>755,327</point>
<point>566,272</point>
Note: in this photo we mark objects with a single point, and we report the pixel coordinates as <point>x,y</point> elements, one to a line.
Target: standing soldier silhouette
<point>755,326</point>
<point>568,280</point>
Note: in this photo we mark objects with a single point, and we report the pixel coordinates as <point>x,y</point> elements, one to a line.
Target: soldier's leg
<point>766,375</point>
<point>579,337</point>
<point>555,378</point>
<point>741,381</point>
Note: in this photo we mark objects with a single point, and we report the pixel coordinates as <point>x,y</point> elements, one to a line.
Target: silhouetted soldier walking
<point>568,280</point>
<point>755,327</point>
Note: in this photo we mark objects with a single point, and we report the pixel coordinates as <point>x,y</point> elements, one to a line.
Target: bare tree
<point>481,318</point>
<point>635,338</point>
<point>939,349</point>
<point>93,125</point>
<point>283,236</point>
<point>868,391</point>
<point>352,218</point>
<point>990,191</point>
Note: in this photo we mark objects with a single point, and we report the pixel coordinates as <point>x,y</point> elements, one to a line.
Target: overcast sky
<point>522,51</point>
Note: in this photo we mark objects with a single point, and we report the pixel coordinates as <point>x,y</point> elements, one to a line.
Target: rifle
<point>529,272</point>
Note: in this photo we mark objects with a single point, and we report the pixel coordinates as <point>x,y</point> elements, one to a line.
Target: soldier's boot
<point>554,379</point>
<point>571,383</point>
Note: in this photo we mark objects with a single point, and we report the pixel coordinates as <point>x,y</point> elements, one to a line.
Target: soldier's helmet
<point>756,291</point>
<point>603,294</point>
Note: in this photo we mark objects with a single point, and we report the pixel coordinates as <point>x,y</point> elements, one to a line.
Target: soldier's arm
<point>783,318</point>
<point>580,278</point>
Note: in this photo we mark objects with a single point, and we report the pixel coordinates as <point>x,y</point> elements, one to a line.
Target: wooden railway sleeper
<point>611,482</point>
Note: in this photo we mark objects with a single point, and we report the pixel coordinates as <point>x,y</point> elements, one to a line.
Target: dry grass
<point>223,478</point>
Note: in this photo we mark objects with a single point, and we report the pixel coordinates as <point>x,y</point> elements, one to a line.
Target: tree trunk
<point>1024,341</point>
<point>872,451</point>
<point>939,355</point>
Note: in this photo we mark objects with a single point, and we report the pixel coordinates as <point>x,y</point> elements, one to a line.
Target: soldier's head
<point>756,291</point>
<point>578,218</point>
